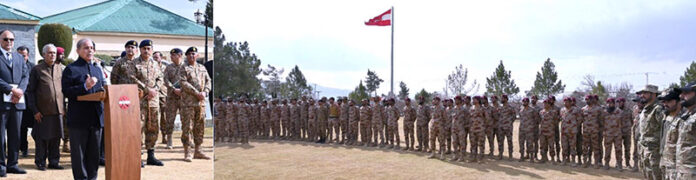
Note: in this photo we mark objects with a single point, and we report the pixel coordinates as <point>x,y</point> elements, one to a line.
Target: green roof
<point>127,16</point>
<point>10,13</point>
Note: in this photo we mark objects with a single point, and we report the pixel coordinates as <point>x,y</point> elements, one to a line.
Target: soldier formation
<point>661,125</point>
<point>165,91</point>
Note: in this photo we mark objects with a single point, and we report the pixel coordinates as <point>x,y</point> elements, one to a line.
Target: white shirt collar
<point>4,53</point>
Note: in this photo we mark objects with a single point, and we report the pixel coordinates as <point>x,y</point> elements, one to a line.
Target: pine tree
<point>501,82</point>
<point>372,81</point>
<point>426,96</point>
<point>359,93</point>
<point>547,82</point>
<point>297,83</point>
<point>403,93</point>
<point>689,75</point>
<point>457,81</point>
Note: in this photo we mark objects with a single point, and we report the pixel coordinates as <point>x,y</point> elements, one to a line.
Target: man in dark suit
<point>85,118</point>
<point>27,118</point>
<point>14,76</point>
<point>45,100</point>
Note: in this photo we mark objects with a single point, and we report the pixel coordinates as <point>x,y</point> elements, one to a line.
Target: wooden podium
<point>122,130</point>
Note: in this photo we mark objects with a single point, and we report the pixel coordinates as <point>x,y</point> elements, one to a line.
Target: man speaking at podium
<point>85,118</point>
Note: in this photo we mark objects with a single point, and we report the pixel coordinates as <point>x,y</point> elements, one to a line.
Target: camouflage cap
<point>649,88</point>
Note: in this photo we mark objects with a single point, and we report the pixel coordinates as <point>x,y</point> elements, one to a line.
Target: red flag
<point>383,19</point>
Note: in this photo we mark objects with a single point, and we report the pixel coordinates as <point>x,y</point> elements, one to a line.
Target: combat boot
<point>198,154</point>
<point>169,141</point>
<point>151,160</point>
<point>619,167</point>
<point>606,165</point>
<point>187,154</point>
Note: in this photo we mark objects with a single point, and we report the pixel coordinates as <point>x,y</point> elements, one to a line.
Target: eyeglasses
<point>8,39</point>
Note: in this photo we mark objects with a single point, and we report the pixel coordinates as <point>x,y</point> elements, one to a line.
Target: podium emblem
<point>124,102</point>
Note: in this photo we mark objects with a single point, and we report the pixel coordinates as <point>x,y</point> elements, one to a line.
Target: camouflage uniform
<point>409,122</point>
<point>242,120</point>
<point>636,136</point>
<point>312,122</point>
<point>303,105</point>
<point>477,134</point>
<point>650,128</point>
<point>322,120</point>
<point>537,109</point>
<point>590,136</point>
<point>231,118</point>
<point>669,153</point>
<point>275,120</point>
<point>557,133</point>
<point>194,79</point>
<point>121,70</point>
<point>393,125</point>
<point>686,151</point>
<point>147,75</point>
<point>171,81</point>
<point>365,124</point>
<point>343,121</point>
<point>377,127</point>
<point>295,120</point>
<point>254,119</point>
<point>422,121</point>
<point>447,128</point>
<point>528,122</point>
<point>612,135</point>
<point>353,122</point>
<point>220,125</point>
<point>284,120</point>
<point>266,121</point>
<point>546,137</point>
<point>436,128</point>
<point>507,116</point>
<point>571,119</point>
<point>164,90</point>
<point>491,126</point>
<point>626,125</point>
<point>460,119</point>
<point>334,127</point>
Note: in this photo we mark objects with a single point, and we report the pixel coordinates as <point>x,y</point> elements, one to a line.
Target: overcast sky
<point>616,41</point>
<point>44,8</point>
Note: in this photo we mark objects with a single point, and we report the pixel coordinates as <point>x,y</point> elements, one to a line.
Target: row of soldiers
<point>165,91</point>
<point>569,134</point>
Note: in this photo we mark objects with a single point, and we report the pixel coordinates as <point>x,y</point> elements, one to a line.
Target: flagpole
<point>392,51</point>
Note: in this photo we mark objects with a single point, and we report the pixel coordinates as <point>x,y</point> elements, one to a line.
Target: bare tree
<point>457,82</point>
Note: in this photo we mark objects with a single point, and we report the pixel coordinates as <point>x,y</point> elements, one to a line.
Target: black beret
<point>145,42</point>
<point>131,43</point>
<point>191,49</point>
<point>175,51</point>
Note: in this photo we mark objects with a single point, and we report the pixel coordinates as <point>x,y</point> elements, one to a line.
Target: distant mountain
<point>331,92</point>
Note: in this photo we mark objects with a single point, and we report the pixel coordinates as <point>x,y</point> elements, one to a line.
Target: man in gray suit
<point>14,77</point>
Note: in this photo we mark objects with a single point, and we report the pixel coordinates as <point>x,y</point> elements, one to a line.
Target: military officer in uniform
<point>195,84</point>
<point>650,129</point>
<point>171,81</point>
<point>147,74</point>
